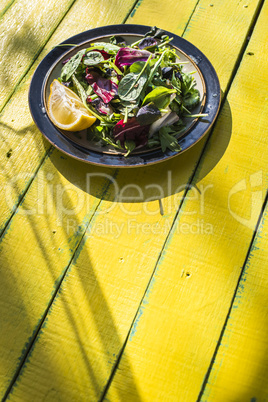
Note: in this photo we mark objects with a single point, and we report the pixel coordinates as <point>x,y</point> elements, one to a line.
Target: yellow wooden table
<point>117,299</point>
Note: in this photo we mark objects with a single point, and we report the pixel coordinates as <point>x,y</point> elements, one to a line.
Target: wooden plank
<point>4,6</point>
<point>19,135</point>
<point>173,17</point>
<point>239,372</point>
<point>100,295</point>
<point>24,31</point>
<point>31,140</point>
<point>217,30</point>
<point>52,244</point>
<point>98,299</point>
<point>37,248</point>
<point>177,327</point>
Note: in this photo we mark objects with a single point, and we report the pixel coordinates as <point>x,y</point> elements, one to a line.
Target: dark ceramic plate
<point>77,145</point>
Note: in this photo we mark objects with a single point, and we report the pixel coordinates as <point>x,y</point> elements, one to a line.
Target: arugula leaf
<point>191,99</point>
<point>101,133</point>
<point>130,146</point>
<point>168,141</point>
<point>190,95</point>
<point>70,67</point>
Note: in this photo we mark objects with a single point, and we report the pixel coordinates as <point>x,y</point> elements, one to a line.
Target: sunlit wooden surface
<point>108,299</point>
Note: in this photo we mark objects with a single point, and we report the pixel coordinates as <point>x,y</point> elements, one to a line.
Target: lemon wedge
<point>66,110</point>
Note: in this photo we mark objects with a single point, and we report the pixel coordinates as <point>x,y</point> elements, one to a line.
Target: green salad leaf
<point>139,93</point>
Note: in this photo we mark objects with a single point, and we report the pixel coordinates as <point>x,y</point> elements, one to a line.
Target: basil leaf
<point>93,58</point>
<point>160,96</point>
<point>71,66</point>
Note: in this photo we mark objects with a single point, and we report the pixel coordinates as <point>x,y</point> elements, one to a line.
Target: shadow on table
<point>180,170</point>
<point>154,182</point>
<point>51,366</point>
<point>27,339</point>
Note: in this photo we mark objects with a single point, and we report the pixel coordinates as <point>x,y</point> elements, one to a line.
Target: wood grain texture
<point>36,249</point>
<point>38,244</point>
<point>171,15</point>
<point>174,336</point>
<point>4,6</point>
<point>24,31</point>
<point>240,369</point>
<point>19,135</point>
<point>217,30</point>
<point>98,300</point>
<point>89,321</point>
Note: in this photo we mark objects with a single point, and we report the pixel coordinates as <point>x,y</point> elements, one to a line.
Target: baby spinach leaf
<point>160,96</point>
<point>93,58</point>
<point>107,47</point>
<point>136,67</point>
<point>70,67</point>
<point>155,32</point>
<point>130,86</point>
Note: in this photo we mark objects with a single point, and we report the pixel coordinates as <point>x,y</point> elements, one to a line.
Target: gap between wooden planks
<point>4,6</point>
<point>25,31</point>
<point>20,136</point>
<point>241,358</point>
<point>21,139</point>
<point>174,336</point>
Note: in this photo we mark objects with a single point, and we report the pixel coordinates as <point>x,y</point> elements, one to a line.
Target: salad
<point>138,93</point>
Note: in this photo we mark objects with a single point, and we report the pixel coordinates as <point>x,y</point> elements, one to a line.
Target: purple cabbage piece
<point>131,130</point>
<point>103,87</point>
<point>127,56</point>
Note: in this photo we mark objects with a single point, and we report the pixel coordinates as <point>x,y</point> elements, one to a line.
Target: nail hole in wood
<point>9,153</point>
